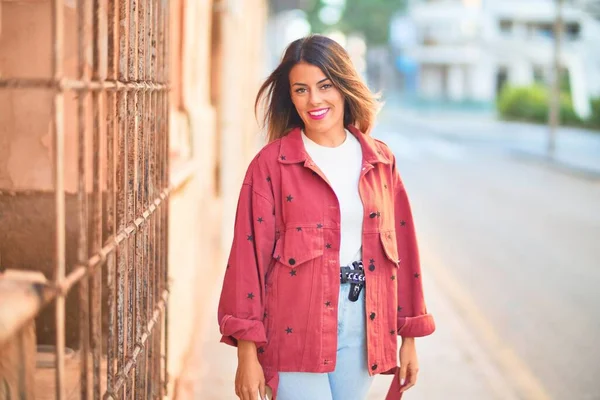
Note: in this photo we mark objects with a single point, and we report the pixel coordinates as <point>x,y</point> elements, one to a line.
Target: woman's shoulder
<point>263,162</point>
<point>383,146</point>
<point>268,154</point>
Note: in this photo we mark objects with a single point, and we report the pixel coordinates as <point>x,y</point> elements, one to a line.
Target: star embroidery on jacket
<point>326,362</point>
<point>299,228</point>
<point>268,179</point>
<point>288,330</point>
<point>328,245</point>
<point>399,308</point>
<point>417,275</point>
<point>371,261</point>
<point>290,198</point>
<point>392,332</point>
<point>261,350</point>
<point>319,226</point>
<point>260,220</point>
<point>293,272</point>
<point>393,277</point>
<point>403,223</point>
<point>250,295</point>
<point>265,314</point>
<point>282,158</point>
<point>385,186</point>
<point>327,304</point>
<point>378,214</point>
<point>250,237</point>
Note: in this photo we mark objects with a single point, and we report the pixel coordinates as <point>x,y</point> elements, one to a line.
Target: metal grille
<point>123,216</point>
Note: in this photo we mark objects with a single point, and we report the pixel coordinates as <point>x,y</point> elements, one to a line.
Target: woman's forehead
<point>306,73</point>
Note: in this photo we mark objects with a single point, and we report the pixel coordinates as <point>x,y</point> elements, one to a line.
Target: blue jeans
<point>350,380</point>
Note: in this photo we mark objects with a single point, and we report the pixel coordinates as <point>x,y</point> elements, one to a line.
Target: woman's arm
<point>413,319</point>
<point>241,306</point>
<point>242,302</point>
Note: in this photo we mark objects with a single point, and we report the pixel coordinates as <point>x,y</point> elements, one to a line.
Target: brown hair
<point>281,116</point>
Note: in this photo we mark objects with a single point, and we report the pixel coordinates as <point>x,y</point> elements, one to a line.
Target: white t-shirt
<point>341,166</point>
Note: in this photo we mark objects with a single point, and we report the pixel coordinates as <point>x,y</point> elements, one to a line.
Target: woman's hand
<point>409,364</point>
<point>249,378</point>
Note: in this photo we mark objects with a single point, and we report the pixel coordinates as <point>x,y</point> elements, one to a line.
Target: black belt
<point>354,275</point>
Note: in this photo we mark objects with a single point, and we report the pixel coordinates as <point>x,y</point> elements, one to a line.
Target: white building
<point>467,49</point>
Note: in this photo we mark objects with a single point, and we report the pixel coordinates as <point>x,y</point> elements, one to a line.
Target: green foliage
<point>531,103</point>
<point>369,17</point>
<point>594,121</point>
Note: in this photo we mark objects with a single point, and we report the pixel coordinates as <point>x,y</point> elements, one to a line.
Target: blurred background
<point>125,131</point>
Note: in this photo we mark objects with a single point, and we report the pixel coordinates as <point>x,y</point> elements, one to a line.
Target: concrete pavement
<point>452,364</point>
<point>577,151</point>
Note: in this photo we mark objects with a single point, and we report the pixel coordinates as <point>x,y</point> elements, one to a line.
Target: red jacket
<point>282,280</point>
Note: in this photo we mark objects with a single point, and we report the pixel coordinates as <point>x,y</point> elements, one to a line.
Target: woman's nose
<point>315,97</point>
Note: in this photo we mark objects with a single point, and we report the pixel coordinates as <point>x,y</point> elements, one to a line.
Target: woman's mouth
<point>318,114</point>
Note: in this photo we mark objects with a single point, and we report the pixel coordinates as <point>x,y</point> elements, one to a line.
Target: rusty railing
<point>123,216</point>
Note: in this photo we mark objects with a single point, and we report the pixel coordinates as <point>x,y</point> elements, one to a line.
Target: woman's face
<point>318,102</point>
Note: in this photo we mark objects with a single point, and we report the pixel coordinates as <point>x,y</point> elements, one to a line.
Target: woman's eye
<point>326,86</point>
<point>301,90</point>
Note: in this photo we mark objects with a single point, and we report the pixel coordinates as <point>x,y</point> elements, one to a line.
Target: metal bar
<point>96,233</point>
<point>82,210</point>
<point>165,183</point>
<point>140,368</point>
<point>82,85</point>
<point>157,390</point>
<point>554,112</point>
<point>59,191</point>
<point>121,185</point>
<point>148,304</point>
<point>123,376</point>
<point>131,188</point>
<point>111,128</point>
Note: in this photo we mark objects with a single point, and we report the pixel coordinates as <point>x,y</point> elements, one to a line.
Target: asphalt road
<point>520,239</point>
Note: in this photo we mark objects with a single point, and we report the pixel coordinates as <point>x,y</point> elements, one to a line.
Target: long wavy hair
<point>279,113</point>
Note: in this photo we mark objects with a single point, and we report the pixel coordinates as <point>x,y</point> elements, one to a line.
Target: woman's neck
<point>331,138</point>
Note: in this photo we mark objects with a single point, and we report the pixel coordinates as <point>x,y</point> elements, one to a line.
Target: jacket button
<point>371,267</point>
<point>373,367</point>
<point>292,261</point>
<point>372,215</point>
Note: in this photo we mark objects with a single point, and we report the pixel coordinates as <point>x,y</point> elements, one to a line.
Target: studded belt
<point>354,274</point>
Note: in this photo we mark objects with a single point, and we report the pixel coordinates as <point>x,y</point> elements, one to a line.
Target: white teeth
<point>317,113</point>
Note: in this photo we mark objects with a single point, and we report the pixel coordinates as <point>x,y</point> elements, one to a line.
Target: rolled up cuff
<point>234,329</point>
<point>419,326</point>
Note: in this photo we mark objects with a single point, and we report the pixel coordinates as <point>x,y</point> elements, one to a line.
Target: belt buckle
<point>355,289</point>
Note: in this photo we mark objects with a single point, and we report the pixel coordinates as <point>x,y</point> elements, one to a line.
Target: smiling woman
<point>314,295</point>
<point>315,70</point>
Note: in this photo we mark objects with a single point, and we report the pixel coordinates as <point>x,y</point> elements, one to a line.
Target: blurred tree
<point>591,6</point>
<point>369,17</point>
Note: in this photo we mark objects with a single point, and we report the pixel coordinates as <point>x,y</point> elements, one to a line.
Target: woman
<point>323,272</point>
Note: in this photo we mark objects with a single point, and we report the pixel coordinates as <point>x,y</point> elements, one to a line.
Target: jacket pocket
<point>298,245</point>
<point>390,246</point>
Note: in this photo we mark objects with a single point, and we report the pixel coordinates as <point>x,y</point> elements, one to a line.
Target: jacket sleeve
<point>241,305</point>
<point>413,319</point>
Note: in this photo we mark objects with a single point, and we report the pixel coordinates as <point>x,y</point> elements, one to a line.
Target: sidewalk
<point>452,366</point>
<point>577,150</point>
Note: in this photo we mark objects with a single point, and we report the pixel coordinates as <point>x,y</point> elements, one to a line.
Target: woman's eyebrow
<point>304,84</point>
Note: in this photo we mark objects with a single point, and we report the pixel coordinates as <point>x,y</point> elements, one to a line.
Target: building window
<point>505,26</point>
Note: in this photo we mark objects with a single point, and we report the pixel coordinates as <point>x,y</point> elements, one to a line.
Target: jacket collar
<point>292,148</point>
